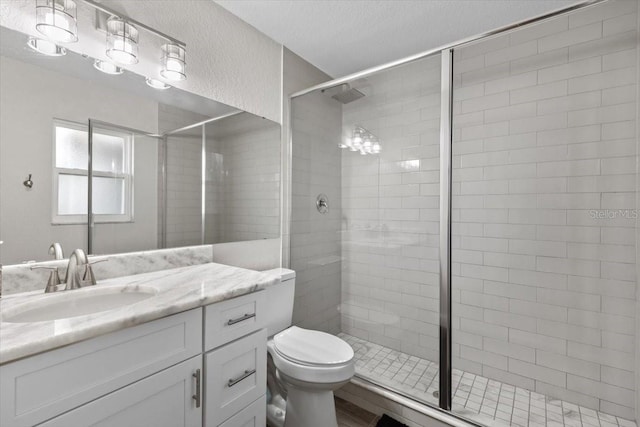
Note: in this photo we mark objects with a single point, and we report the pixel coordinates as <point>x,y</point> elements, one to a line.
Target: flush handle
<point>197,397</point>
<point>247,316</point>
<point>235,381</point>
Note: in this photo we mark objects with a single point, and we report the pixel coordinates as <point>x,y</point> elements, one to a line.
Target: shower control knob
<point>322,203</point>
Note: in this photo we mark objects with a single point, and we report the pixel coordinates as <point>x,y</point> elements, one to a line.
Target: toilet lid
<point>312,347</point>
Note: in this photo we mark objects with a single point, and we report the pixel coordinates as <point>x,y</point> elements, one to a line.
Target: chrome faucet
<point>78,263</point>
<point>56,250</point>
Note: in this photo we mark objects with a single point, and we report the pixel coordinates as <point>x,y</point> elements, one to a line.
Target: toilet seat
<point>312,356</point>
<point>314,348</point>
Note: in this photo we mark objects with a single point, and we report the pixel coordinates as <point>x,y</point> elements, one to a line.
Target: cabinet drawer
<point>39,388</point>
<point>161,400</point>
<point>235,376</point>
<point>254,415</point>
<point>228,320</point>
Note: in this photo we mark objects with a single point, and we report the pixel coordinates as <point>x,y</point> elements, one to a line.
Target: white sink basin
<point>82,302</point>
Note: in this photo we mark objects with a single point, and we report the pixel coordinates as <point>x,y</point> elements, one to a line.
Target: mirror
<point>168,168</point>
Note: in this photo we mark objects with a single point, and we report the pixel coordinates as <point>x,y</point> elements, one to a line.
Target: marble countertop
<point>177,290</point>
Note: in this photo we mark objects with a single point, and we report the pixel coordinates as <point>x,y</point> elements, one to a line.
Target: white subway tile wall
<point>249,153</point>
<point>316,237</point>
<point>390,212</point>
<point>242,179</point>
<point>544,198</point>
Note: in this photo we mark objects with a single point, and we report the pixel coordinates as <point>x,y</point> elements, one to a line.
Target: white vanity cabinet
<point>205,366</point>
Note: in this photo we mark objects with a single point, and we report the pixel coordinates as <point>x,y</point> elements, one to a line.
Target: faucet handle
<point>54,278</point>
<point>89,278</point>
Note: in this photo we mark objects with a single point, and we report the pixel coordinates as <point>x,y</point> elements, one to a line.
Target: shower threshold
<point>477,398</point>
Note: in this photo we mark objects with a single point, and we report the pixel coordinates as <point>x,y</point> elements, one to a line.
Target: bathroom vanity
<point>194,354</point>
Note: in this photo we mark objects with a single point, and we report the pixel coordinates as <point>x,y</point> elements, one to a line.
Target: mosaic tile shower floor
<point>478,398</point>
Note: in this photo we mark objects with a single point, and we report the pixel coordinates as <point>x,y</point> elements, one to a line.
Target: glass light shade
<point>107,67</point>
<point>173,62</point>
<point>46,47</point>
<point>122,41</point>
<point>157,84</point>
<point>376,148</point>
<point>56,19</point>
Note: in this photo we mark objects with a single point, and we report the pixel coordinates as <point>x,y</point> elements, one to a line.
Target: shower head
<point>344,94</point>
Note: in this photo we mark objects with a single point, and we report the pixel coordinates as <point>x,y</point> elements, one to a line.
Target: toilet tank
<point>279,304</point>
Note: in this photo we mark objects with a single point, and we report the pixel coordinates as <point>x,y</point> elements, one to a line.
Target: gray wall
<point>30,98</point>
<point>315,238</point>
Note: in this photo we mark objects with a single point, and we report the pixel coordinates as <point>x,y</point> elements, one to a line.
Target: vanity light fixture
<point>157,84</point>
<point>122,41</point>
<point>56,19</point>
<point>107,67</point>
<point>46,47</point>
<point>173,62</point>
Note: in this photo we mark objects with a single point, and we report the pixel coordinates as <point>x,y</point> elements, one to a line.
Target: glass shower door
<point>544,222</point>
<point>368,267</point>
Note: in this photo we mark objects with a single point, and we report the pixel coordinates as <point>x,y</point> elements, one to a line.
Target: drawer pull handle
<point>240,319</point>
<point>246,374</point>
<point>196,396</point>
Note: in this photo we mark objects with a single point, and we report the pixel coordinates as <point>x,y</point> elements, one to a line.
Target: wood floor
<point>350,415</point>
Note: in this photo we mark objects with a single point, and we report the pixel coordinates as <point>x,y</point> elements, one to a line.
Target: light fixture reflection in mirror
<point>122,41</point>
<point>107,67</point>
<point>173,62</point>
<point>56,19</point>
<point>46,47</point>
<point>363,141</point>
<point>157,84</point>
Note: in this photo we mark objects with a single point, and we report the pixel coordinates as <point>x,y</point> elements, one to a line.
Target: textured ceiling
<point>345,36</point>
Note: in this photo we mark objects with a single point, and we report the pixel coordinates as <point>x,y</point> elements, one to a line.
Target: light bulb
<point>46,47</point>
<point>157,84</point>
<point>122,41</point>
<point>107,67</point>
<point>376,148</point>
<point>56,19</point>
<point>173,62</point>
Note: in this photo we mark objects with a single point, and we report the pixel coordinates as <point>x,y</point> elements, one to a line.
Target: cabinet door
<point>165,399</point>
<point>43,386</point>
<point>236,375</point>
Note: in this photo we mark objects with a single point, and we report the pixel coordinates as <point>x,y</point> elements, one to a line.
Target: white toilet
<point>309,364</point>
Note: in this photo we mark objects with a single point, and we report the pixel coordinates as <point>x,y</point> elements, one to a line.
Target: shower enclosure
<point>479,247</point>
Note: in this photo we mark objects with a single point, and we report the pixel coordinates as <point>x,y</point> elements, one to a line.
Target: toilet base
<point>310,408</point>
